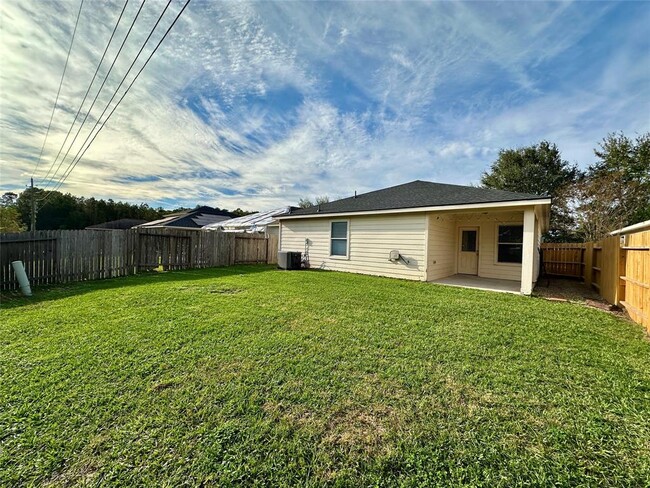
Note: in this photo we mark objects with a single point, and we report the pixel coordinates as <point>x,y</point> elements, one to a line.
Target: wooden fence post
<point>135,249</point>
<point>589,261</point>
<point>620,272</point>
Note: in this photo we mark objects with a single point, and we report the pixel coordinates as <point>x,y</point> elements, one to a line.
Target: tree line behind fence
<point>617,267</point>
<point>63,256</point>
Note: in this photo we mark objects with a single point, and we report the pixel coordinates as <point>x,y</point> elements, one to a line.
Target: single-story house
<point>262,222</point>
<point>425,231</point>
<point>120,224</point>
<point>193,219</point>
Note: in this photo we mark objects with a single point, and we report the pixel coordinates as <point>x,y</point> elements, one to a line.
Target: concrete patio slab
<point>479,283</point>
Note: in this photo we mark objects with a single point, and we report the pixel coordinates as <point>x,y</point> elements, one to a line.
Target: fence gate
<point>171,251</point>
<point>249,249</point>
<point>563,259</point>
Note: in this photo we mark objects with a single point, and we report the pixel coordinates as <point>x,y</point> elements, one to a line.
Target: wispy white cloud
<point>258,104</point>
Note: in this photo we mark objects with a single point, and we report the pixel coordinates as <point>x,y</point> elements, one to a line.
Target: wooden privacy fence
<point>183,249</point>
<point>64,256</point>
<point>618,267</point>
<point>250,250</point>
<point>634,285</point>
<point>563,259</point>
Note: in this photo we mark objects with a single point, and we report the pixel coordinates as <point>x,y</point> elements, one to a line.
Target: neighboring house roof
<point>117,224</point>
<point>632,228</point>
<point>191,219</point>
<point>416,194</point>
<point>252,223</point>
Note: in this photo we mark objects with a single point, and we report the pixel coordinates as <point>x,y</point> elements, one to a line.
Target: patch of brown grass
<point>76,475</point>
<point>360,429</point>
<point>164,386</point>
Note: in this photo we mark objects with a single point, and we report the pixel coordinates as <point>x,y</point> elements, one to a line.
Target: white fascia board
<point>439,208</point>
<point>173,227</point>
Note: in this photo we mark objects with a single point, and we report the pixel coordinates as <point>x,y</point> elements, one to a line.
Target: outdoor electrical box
<point>289,260</point>
<point>394,256</point>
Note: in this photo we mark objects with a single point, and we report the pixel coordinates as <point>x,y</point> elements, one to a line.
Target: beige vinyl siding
<point>430,241</point>
<point>371,238</point>
<point>488,266</point>
<point>441,249</point>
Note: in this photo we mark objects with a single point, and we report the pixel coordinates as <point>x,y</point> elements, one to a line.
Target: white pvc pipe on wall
<point>19,269</point>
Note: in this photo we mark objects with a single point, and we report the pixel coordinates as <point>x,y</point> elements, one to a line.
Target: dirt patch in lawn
<point>362,429</point>
<point>574,291</point>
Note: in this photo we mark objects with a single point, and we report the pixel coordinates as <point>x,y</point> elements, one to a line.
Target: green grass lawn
<point>253,376</point>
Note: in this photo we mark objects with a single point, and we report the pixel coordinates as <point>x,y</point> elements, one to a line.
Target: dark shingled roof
<point>197,218</point>
<point>416,194</point>
<point>117,224</point>
<point>191,219</point>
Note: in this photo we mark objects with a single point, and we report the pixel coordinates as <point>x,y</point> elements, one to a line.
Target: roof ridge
<point>430,183</point>
<point>374,191</point>
<point>418,193</point>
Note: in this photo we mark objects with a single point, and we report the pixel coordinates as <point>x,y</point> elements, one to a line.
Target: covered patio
<point>480,283</point>
<point>495,249</point>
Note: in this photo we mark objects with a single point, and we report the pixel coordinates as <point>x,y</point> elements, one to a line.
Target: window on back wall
<point>510,243</point>
<point>339,239</point>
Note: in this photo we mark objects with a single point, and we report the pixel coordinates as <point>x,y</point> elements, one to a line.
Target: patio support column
<point>528,252</point>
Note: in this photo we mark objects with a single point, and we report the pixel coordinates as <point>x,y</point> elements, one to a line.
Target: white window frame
<point>496,246</point>
<point>347,239</point>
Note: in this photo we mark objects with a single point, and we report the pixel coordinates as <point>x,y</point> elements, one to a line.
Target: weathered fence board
<point>65,256</point>
<point>272,251</point>
<point>250,249</point>
<point>38,254</point>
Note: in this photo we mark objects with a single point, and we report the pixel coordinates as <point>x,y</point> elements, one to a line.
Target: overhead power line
<point>97,122</point>
<point>88,91</point>
<point>44,180</point>
<point>79,156</point>
<point>58,92</point>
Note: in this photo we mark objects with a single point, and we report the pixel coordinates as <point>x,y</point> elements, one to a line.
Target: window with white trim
<point>339,238</point>
<point>510,243</point>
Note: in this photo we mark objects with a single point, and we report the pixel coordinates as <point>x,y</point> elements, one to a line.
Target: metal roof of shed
<point>252,222</point>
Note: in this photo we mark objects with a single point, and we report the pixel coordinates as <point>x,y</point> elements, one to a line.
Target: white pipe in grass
<point>19,269</point>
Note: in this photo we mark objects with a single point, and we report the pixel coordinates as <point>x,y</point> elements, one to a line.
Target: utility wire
<point>87,91</point>
<point>97,122</point>
<point>94,101</point>
<point>58,92</point>
<point>122,97</point>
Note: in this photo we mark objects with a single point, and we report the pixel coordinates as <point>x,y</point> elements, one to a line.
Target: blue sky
<point>256,105</point>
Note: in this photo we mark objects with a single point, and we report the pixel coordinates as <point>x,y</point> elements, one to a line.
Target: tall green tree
<point>615,192</point>
<point>9,216</point>
<point>538,169</point>
<point>58,210</point>
<point>65,211</point>
<point>306,202</point>
<point>8,198</point>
